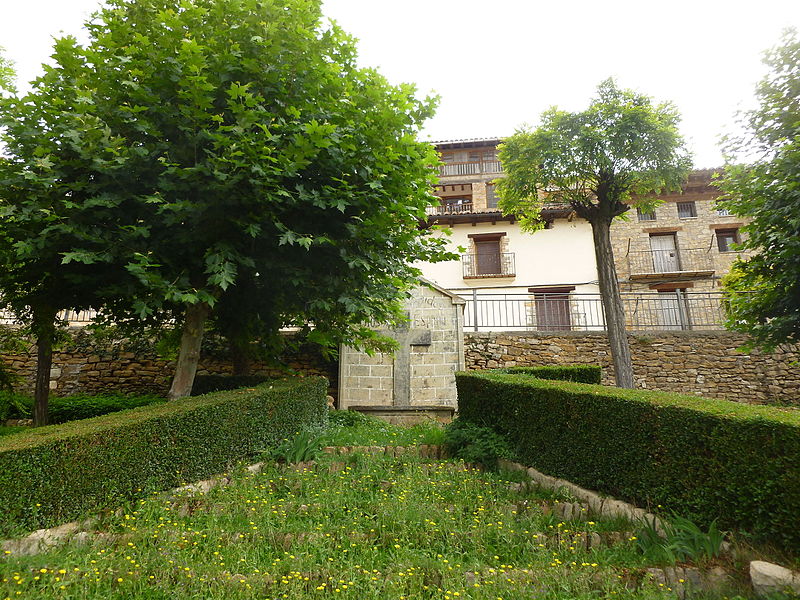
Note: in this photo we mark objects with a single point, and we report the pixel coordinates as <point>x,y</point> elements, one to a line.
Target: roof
<point>468,142</point>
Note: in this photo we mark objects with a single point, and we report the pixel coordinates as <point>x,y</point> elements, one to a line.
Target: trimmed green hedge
<point>705,459</point>
<point>58,473</point>
<point>579,373</point>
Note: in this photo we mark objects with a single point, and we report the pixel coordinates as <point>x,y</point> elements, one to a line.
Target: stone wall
<point>120,367</point>
<point>702,363</point>
<point>422,371</point>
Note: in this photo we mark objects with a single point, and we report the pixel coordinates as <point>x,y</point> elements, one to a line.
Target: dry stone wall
<point>703,363</point>
<point>113,367</point>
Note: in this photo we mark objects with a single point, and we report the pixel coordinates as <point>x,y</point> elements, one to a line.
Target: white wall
<point>561,255</point>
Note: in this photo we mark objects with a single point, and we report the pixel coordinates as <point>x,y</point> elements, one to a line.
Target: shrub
<point>475,444</point>
<point>700,458</point>
<point>14,406</point>
<point>579,373</point>
<point>58,473</point>
<point>205,384</point>
<point>71,408</point>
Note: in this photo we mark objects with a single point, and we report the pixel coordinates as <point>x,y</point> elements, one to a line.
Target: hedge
<point>579,373</point>
<point>704,459</point>
<point>59,473</point>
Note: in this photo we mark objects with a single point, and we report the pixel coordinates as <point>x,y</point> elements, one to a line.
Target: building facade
<point>669,261</point>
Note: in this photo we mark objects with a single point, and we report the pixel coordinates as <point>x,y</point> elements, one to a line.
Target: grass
<point>8,430</point>
<point>349,428</point>
<point>355,527</point>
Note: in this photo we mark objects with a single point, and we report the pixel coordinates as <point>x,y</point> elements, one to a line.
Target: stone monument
<point>418,380</point>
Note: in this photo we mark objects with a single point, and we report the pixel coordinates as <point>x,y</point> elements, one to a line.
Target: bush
<point>701,458</point>
<point>71,408</point>
<point>475,444</point>
<point>58,473</point>
<point>205,384</point>
<point>14,406</point>
<point>579,373</point>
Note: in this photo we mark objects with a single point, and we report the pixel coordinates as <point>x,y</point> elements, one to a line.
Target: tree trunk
<point>612,303</point>
<point>189,353</point>
<point>240,357</point>
<point>45,330</point>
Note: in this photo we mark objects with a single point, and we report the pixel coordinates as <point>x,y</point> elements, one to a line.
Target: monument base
<point>408,415</point>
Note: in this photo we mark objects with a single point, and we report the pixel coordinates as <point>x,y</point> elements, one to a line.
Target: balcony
<point>450,208</point>
<point>488,265</point>
<point>470,168</point>
<point>657,264</point>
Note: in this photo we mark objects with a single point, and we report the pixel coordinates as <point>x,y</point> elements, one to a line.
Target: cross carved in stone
<point>406,339</point>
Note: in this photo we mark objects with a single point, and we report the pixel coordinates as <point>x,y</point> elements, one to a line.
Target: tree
<point>601,162</point>
<point>7,73</point>
<point>53,250</point>
<point>251,146</point>
<point>764,290</point>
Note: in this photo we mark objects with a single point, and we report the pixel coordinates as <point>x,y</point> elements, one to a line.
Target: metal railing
<point>470,168</point>
<point>679,260</point>
<point>645,311</point>
<point>494,264</point>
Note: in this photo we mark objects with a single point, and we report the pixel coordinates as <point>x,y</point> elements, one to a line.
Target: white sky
<point>499,63</point>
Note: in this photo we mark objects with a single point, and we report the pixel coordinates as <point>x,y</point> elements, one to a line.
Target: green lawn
<point>354,527</point>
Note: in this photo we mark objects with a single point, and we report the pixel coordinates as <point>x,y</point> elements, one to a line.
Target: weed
<point>682,540</point>
<point>475,444</point>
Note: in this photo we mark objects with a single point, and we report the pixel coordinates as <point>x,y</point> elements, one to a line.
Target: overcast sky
<point>498,64</point>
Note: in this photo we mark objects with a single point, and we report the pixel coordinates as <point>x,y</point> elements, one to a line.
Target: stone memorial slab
<point>420,375</point>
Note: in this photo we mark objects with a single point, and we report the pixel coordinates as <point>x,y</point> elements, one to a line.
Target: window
<point>491,196</point>
<point>646,216</point>
<point>723,212</point>
<point>487,258</point>
<point>726,238</point>
<point>687,210</point>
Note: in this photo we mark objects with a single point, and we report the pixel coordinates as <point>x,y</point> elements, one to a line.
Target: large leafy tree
<point>252,154</point>
<point>764,290</point>
<point>616,154</point>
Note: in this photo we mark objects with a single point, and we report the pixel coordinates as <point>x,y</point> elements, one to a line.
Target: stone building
<point>420,375</point>
<point>495,255</point>
<point>669,261</point>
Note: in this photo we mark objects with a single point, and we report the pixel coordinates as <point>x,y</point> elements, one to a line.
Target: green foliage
<point>702,458</point>
<point>475,444</point>
<point>352,428</point>
<point>14,405</point>
<point>99,463</point>
<point>619,152</point>
<point>220,147</point>
<point>763,291</point>
<point>72,408</point>
<point>579,373</point>
<point>203,384</point>
<point>303,447</point>
<point>683,540</point>
<point>7,74</point>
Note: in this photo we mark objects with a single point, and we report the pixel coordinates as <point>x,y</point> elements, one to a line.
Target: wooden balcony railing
<point>470,168</point>
<point>450,209</point>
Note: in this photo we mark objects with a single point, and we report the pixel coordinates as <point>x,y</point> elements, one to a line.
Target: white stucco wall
<point>549,257</point>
